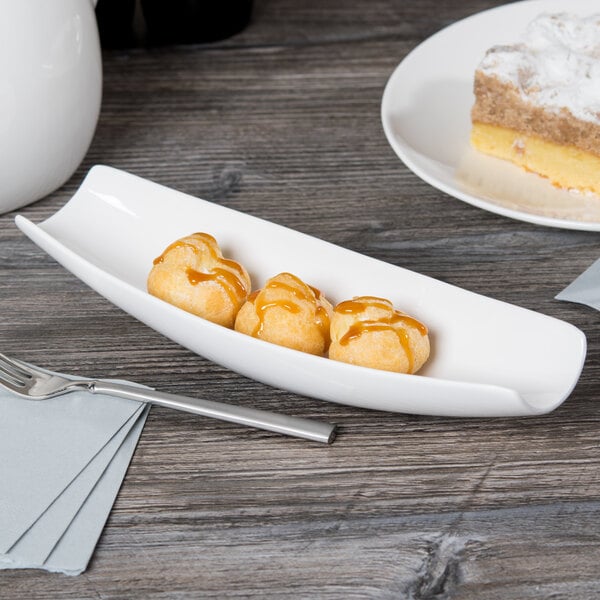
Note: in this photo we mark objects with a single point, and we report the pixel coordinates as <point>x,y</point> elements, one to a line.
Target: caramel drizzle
<point>208,240</point>
<point>231,279</point>
<point>231,284</point>
<point>355,307</point>
<point>262,305</point>
<point>385,324</point>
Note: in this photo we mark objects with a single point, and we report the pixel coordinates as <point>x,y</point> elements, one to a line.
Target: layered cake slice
<point>537,101</point>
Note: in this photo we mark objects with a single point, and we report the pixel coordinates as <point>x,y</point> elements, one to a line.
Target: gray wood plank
<point>282,122</point>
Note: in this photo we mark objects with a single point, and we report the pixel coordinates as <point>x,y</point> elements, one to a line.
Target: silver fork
<point>30,382</point>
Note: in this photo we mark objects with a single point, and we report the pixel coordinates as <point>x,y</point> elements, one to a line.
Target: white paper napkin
<point>63,462</point>
<point>585,289</point>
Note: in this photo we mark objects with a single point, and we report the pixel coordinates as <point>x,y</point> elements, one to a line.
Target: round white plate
<point>426,117</point>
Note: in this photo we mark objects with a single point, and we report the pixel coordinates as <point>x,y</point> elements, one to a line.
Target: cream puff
<point>368,331</point>
<point>193,275</point>
<point>288,312</point>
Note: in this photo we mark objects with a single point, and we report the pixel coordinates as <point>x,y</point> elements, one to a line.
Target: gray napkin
<point>585,289</point>
<point>63,463</point>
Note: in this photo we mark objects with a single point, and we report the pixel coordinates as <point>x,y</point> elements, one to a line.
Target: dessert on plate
<point>370,332</point>
<point>537,101</point>
<point>288,312</point>
<point>193,275</point>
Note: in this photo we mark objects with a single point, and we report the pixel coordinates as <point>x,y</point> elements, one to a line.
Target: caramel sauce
<point>263,307</point>
<point>356,330</point>
<point>231,279</point>
<point>299,292</point>
<point>262,304</point>
<point>355,307</point>
<point>400,317</point>
<point>323,323</point>
<point>358,306</point>
<point>229,282</point>
<point>208,240</point>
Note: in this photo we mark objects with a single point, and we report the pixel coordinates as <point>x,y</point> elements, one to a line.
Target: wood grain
<point>282,121</point>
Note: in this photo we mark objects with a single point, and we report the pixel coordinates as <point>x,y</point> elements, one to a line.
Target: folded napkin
<point>585,289</point>
<point>63,462</point>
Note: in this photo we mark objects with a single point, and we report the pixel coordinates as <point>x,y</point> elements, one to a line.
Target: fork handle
<point>317,431</point>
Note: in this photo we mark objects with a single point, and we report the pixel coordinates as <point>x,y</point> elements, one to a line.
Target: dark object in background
<point>127,23</point>
<point>115,23</point>
<point>194,21</point>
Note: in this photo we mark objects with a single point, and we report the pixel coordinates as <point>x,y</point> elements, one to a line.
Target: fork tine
<point>18,365</point>
<point>9,381</point>
<point>15,371</point>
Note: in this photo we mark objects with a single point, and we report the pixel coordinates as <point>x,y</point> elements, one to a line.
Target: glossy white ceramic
<point>425,113</point>
<point>50,94</point>
<point>489,358</point>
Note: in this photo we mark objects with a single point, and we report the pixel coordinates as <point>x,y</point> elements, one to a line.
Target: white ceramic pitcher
<point>50,94</point>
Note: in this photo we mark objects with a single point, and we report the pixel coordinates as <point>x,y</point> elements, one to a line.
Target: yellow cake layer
<point>565,166</point>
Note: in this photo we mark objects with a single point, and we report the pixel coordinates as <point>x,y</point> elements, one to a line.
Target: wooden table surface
<point>282,121</point>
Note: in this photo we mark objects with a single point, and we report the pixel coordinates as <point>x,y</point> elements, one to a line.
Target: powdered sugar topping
<point>555,65</point>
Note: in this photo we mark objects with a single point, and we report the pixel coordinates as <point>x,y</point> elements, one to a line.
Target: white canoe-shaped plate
<point>489,358</point>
